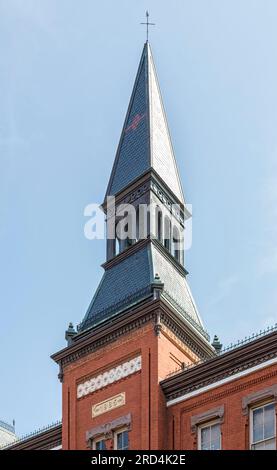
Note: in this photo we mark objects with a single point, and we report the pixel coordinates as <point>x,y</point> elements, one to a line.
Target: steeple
<point>145,141</point>
<point>142,321</point>
<point>148,263</point>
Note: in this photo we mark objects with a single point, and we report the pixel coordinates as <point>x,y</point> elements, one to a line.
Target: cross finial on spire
<point>147,25</point>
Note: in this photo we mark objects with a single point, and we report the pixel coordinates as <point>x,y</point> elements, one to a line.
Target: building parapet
<point>7,427</point>
<point>245,355</point>
<point>41,438</point>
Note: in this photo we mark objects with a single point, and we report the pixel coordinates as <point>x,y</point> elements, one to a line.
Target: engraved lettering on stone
<point>108,405</point>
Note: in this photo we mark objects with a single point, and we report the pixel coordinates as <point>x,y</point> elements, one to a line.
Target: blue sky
<point>66,74</point>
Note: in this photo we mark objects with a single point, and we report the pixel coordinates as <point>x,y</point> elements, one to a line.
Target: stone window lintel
<point>210,415</point>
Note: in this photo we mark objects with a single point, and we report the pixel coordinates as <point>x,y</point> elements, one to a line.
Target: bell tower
<point>142,322</point>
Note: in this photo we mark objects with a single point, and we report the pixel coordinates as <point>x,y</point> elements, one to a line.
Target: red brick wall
<point>77,414</point>
<point>171,353</point>
<point>152,422</point>
<point>149,417</point>
<point>235,426</point>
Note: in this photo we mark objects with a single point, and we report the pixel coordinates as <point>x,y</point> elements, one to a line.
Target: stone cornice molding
<point>149,180</point>
<point>132,319</point>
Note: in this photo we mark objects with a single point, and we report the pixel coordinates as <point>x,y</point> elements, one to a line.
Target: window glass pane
<point>215,437</point>
<point>269,424</point>
<point>125,440</point>
<point>265,445</point>
<point>205,438</point>
<point>258,425</point>
<point>122,440</point>
<point>100,445</point>
<point>210,437</point>
<point>119,441</point>
<point>259,446</point>
<point>270,444</point>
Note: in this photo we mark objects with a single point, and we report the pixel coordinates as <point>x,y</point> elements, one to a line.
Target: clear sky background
<point>66,73</point>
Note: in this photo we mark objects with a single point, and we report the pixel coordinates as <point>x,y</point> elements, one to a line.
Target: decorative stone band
<point>109,377</point>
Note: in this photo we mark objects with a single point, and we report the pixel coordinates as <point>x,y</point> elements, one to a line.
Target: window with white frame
<point>263,427</point>
<point>99,444</point>
<point>121,440</point>
<point>209,436</point>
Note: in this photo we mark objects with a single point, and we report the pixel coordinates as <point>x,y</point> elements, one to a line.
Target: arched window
<point>142,222</point>
<point>176,245</point>
<point>159,224</point>
<point>111,248</point>
<point>148,222</point>
<point>117,246</point>
<point>120,243</point>
<point>167,233</point>
<point>127,241</point>
<point>125,232</point>
<point>137,224</point>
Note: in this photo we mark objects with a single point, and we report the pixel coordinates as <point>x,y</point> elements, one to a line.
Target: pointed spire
<point>145,142</point>
<point>144,150</point>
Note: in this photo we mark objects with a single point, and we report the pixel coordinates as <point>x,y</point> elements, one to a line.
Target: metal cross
<point>147,25</point>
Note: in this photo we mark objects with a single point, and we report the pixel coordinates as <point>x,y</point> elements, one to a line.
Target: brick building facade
<point>119,390</point>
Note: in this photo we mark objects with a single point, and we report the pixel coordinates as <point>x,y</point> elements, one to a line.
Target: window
<point>209,437</point>
<point>129,242</point>
<point>117,246</point>
<point>263,427</point>
<point>121,440</point>
<point>176,244</point>
<point>137,224</point>
<point>99,437</point>
<point>167,233</point>
<point>159,224</point>
<point>99,444</point>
